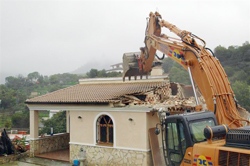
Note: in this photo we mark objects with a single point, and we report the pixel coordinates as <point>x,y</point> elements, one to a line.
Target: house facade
<point>107,118</point>
<point>116,68</point>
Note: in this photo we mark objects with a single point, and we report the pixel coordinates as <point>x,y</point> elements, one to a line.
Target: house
<point>115,68</point>
<point>108,118</point>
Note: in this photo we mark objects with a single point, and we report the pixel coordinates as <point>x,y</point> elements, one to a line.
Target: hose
<point>192,52</point>
<point>215,109</point>
<point>210,51</point>
<point>215,106</point>
<point>190,44</point>
<point>161,57</point>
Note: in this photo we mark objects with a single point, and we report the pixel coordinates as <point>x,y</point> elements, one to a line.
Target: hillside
<point>236,62</point>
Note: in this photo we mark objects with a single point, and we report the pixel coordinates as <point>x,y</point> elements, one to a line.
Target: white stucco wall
<point>127,134</point>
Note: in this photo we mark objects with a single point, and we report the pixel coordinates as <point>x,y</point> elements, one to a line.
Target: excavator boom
<point>206,70</point>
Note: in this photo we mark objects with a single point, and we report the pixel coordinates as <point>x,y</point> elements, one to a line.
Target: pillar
<point>68,121</point>
<point>34,122</point>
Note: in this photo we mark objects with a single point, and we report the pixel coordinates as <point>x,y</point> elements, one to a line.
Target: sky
<point>60,36</point>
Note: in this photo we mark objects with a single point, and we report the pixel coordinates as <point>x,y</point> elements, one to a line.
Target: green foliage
<point>237,58</point>
<point>7,97</point>
<point>54,79</point>
<point>179,75</point>
<point>114,74</point>
<point>236,62</point>
<point>58,122</point>
<point>5,121</point>
<point>43,114</point>
<point>20,119</point>
<point>102,73</point>
<point>33,77</point>
<point>175,71</point>
<point>94,73</point>
<point>8,124</point>
<point>242,92</point>
<point>167,64</point>
<point>18,89</point>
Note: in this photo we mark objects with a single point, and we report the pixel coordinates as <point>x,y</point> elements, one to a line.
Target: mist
<point>62,36</point>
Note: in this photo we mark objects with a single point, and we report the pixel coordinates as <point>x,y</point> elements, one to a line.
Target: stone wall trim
<point>49,144</point>
<point>114,147</point>
<point>107,156</point>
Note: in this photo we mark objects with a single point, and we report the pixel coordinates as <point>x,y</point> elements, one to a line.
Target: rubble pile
<point>244,114</point>
<point>172,97</point>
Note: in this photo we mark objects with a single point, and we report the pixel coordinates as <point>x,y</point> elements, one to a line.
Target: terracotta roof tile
<point>101,93</point>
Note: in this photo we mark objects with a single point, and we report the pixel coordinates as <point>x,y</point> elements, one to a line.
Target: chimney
<point>157,71</point>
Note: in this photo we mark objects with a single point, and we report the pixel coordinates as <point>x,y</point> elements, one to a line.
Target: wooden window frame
<point>108,126</point>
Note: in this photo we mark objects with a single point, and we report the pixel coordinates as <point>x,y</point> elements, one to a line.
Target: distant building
<point>115,68</point>
<point>33,94</point>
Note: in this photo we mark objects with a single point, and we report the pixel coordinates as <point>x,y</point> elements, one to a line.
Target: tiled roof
<point>98,93</point>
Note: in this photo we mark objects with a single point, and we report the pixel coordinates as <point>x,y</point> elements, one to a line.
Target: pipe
<point>211,52</point>
<point>163,56</point>
<point>193,53</point>
<point>215,106</point>
<point>192,82</point>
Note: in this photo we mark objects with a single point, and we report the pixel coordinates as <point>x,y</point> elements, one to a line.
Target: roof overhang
<point>102,108</point>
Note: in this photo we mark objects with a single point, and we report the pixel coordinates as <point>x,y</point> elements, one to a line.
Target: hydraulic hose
<point>210,51</point>
<point>161,57</point>
<point>190,44</point>
<point>215,109</point>
<point>215,106</point>
<point>193,53</point>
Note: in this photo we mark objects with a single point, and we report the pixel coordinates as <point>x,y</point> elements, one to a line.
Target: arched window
<point>104,130</point>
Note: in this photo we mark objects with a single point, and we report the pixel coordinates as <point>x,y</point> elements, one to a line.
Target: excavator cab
<point>183,131</point>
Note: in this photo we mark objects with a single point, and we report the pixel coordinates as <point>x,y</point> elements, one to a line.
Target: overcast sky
<point>60,36</point>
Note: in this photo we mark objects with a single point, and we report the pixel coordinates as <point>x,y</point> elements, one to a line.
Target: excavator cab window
<point>176,142</point>
<point>197,129</point>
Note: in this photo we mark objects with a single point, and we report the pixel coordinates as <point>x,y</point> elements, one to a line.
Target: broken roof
<point>103,90</point>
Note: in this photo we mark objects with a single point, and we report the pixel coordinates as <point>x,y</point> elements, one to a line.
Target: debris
<point>6,146</point>
<point>173,97</point>
<point>244,114</point>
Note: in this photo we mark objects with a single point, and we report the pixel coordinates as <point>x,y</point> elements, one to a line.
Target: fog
<point>61,36</point>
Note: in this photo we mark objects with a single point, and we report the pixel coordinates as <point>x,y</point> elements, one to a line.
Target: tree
<point>92,73</point>
<point>102,73</point>
<point>33,76</point>
<point>222,53</point>
<point>8,123</point>
<point>58,122</point>
<point>179,75</point>
<point>54,79</point>
<point>7,97</point>
<point>20,120</point>
<point>230,71</point>
<point>242,92</point>
<point>114,74</point>
<point>176,72</point>
<point>167,64</point>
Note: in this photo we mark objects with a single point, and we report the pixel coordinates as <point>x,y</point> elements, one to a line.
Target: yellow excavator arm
<point>203,66</point>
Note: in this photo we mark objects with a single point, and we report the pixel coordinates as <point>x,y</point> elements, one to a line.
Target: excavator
<point>215,137</point>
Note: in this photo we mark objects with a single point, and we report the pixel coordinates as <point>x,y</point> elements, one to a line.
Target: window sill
<point>105,144</point>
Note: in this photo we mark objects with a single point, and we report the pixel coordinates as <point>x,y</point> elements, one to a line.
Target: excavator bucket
<point>130,65</point>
